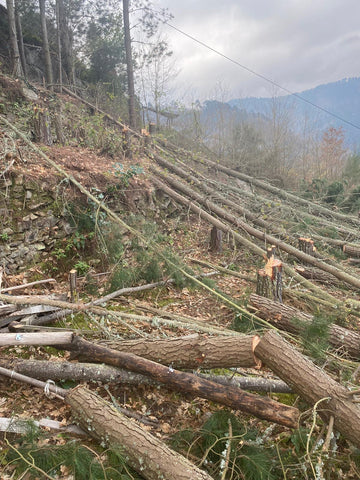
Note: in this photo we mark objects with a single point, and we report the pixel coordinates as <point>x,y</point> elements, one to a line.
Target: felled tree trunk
<point>351,250</point>
<point>312,384</point>
<point>150,457</point>
<point>232,397</point>
<point>294,321</point>
<point>193,351</point>
<point>316,274</point>
<point>78,372</point>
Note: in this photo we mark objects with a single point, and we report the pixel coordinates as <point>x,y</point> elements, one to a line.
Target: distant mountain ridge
<point>342,98</point>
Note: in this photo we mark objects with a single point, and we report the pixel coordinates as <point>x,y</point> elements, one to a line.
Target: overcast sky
<point>297,43</point>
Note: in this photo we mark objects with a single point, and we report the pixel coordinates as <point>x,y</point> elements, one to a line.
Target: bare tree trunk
<point>312,384</point>
<point>145,453</point>
<point>294,321</point>
<point>14,50</point>
<point>46,48</point>
<point>20,39</point>
<point>129,65</point>
<point>59,49</point>
<point>193,351</point>
<point>66,44</point>
<point>233,397</point>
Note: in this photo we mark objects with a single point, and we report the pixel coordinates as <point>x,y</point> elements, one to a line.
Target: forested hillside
<point>179,299</point>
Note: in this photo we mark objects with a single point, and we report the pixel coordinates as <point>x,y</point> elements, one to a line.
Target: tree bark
<point>232,397</point>
<point>20,38</point>
<point>14,49</point>
<point>129,65</point>
<point>193,351</point>
<point>47,338</point>
<point>317,275</point>
<point>216,240</point>
<point>312,384</point>
<point>95,372</point>
<point>46,48</point>
<point>150,457</point>
<point>78,372</point>
<point>294,321</point>
<point>255,384</point>
<point>352,250</point>
<point>59,49</point>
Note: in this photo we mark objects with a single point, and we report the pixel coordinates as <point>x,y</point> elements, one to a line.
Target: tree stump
<point>216,240</point>
<point>269,278</point>
<point>42,126</point>
<point>307,246</point>
<point>152,128</point>
<point>126,143</point>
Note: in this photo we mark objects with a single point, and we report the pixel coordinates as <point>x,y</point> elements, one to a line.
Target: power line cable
<point>263,77</point>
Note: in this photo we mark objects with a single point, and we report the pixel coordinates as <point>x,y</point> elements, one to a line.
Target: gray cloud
<point>297,43</point>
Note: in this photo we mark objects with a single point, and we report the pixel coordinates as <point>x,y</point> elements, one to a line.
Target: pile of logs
<point>167,361</point>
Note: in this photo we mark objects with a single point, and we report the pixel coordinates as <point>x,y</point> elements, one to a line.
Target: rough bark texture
<point>45,45</point>
<point>256,384</point>
<point>351,250</point>
<point>193,351</point>
<point>20,38</point>
<point>317,275</point>
<point>79,372</point>
<point>232,397</point>
<point>287,318</point>
<point>14,50</point>
<point>150,457</point>
<point>129,65</point>
<point>312,384</point>
<point>216,240</point>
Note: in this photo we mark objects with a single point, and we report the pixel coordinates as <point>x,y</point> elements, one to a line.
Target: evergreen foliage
<point>249,458</point>
<point>82,462</point>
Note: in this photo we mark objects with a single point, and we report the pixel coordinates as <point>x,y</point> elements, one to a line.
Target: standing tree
<point>20,38</point>
<point>46,48</point>
<point>129,65</point>
<point>14,50</point>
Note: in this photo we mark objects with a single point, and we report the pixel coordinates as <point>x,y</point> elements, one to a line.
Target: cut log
<point>78,372</point>
<point>94,372</point>
<point>312,384</point>
<point>316,274</point>
<point>232,397</point>
<point>150,457</point>
<point>255,384</point>
<point>193,351</point>
<point>41,338</point>
<point>27,285</point>
<point>294,321</point>
<point>352,250</point>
